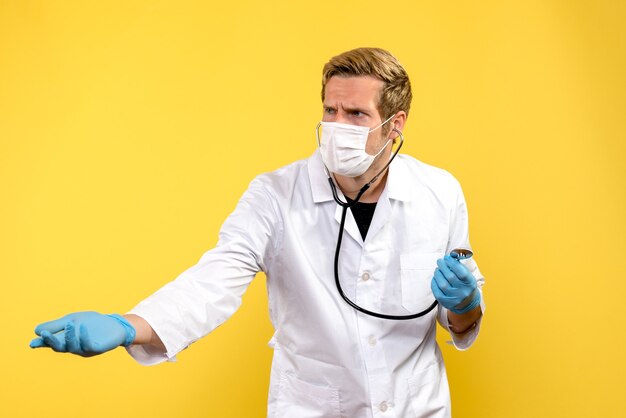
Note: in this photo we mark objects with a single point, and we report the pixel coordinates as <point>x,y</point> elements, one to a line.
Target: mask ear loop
<point>390,160</point>
<point>388,119</point>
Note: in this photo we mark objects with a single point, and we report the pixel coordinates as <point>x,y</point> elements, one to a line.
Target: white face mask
<point>343,148</point>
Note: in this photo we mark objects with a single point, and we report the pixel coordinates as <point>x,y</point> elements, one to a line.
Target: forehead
<point>353,90</point>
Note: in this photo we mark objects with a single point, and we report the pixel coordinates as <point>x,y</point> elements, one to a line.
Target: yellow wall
<point>128,130</point>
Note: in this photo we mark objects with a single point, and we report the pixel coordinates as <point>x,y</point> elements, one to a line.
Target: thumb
<point>37,343</point>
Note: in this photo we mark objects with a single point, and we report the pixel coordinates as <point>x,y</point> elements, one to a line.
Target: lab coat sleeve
<point>207,294</point>
<point>459,238</point>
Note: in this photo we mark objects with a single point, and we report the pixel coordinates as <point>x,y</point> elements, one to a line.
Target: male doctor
<point>330,358</point>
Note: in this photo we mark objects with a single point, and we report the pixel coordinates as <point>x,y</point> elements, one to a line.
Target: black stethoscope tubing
<point>345,206</point>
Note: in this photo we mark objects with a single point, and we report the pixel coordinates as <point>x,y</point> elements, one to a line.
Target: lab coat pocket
<point>429,392</point>
<point>416,271</point>
<point>297,398</point>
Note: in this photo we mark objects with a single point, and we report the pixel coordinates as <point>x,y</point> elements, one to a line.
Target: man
<point>331,359</point>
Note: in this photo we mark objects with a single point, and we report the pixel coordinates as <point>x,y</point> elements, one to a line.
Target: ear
<point>398,122</point>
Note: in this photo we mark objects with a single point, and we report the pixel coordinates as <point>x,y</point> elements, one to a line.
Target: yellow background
<point>129,129</point>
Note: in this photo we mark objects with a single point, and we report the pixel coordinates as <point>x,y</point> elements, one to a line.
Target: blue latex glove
<point>454,286</point>
<point>84,333</point>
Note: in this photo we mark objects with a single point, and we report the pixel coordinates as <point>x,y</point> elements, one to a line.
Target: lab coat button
<point>365,276</point>
<point>372,340</point>
<point>383,406</point>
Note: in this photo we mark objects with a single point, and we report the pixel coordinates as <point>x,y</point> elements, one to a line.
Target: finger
<point>440,282</point>
<point>56,342</point>
<point>447,273</point>
<point>442,298</point>
<point>437,293</point>
<point>37,343</point>
<point>51,326</point>
<point>72,344</point>
<point>459,270</point>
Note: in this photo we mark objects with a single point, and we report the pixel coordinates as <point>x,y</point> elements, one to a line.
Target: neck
<point>350,186</point>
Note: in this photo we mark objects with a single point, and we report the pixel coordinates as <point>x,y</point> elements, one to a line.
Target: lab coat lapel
<point>321,192</point>
<point>350,227</point>
<point>382,215</point>
<point>396,189</point>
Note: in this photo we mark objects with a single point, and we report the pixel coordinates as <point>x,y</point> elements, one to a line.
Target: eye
<point>329,110</point>
<point>357,113</point>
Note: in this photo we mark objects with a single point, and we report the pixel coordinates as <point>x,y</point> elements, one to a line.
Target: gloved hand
<point>84,333</point>
<point>454,286</point>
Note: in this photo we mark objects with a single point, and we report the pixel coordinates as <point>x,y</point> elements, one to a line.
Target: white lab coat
<point>330,360</point>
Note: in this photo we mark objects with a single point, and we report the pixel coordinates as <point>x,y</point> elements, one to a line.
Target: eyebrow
<point>348,108</point>
<point>354,108</point>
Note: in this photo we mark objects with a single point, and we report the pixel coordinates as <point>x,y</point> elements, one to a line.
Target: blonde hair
<point>396,92</point>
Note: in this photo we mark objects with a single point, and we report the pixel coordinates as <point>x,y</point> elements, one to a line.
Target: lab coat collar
<point>398,187</point>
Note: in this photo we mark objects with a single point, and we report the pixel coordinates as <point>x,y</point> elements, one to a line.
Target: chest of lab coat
<point>330,360</point>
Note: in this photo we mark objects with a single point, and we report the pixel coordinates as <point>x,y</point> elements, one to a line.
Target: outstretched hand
<point>84,333</point>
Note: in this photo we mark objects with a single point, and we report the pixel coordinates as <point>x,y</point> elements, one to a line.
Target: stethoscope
<point>345,206</point>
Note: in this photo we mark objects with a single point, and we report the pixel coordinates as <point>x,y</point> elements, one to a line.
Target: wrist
<point>457,331</point>
<point>131,333</point>
<point>460,324</point>
<point>471,302</point>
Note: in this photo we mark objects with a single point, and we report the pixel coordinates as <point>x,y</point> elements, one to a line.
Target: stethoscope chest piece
<point>461,253</point>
